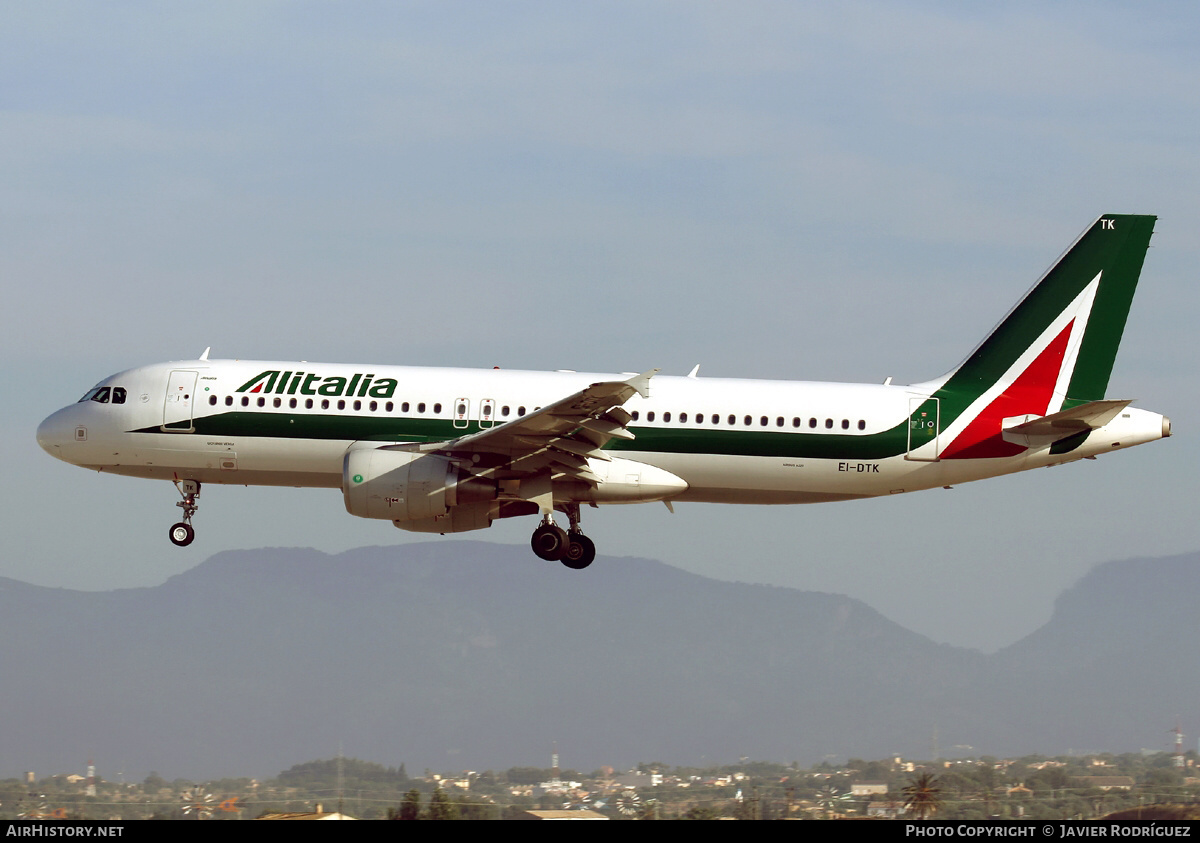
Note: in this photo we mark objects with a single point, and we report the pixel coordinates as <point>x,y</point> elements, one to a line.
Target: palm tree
<point>922,798</point>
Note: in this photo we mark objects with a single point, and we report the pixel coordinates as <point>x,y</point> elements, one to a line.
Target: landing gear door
<point>177,409</point>
<point>923,440</point>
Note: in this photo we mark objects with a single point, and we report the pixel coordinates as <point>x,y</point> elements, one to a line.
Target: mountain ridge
<point>456,655</point>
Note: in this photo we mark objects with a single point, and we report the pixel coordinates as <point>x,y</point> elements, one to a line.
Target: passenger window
<point>520,411</point>
<point>262,402</point>
<point>277,403</point>
<point>245,401</point>
<point>747,421</point>
<point>845,424</point>
<point>388,406</point>
<point>212,400</point>
<point>324,403</point>
<point>732,419</point>
<point>504,411</point>
<point>812,422</point>
<point>373,406</point>
<point>650,416</point>
<point>437,409</point>
<point>357,405</point>
<point>763,421</point>
<point>683,417</point>
<point>796,421</point>
<point>716,419</point>
<point>829,424</point>
<point>308,403</point>
<point>341,404</point>
<point>292,403</point>
<point>666,417</point>
<point>228,400</point>
<point>634,415</point>
<point>404,407</point>
<point>862,425</point>
<point>421,407</point>
<point>779,421</point>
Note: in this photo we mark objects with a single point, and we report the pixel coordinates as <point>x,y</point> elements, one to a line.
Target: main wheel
<point>549,542</point>
<point>182,534</point>
<point>580,552</point>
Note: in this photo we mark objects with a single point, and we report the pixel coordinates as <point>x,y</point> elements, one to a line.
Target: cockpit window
<point>104,394</point>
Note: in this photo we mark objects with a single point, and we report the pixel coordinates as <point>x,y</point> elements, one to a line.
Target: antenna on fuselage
<point>204,356</point>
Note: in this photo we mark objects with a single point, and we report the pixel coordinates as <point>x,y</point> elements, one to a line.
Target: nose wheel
<point>571,547</point>
<point>183,534</point>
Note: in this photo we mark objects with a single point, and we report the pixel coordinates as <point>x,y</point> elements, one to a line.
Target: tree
<point>410,808</point>
<point>440,806</point>
<point>922,797</point>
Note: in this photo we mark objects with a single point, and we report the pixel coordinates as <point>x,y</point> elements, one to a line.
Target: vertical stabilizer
<point>1055,349</point>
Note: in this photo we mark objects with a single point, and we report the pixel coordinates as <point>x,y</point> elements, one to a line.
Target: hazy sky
<point>777,190</point>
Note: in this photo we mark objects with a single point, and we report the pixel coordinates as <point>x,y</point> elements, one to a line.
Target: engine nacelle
<point>459,519</point>
<point>416,491</point>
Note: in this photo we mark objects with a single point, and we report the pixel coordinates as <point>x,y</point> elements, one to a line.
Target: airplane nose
<point>55,432</point>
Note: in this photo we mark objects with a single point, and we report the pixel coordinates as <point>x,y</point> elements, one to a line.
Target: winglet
<point>641,382</point>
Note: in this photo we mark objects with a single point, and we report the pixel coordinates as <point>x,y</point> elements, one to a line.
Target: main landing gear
<point>570,547</point>
<point>182,534</point>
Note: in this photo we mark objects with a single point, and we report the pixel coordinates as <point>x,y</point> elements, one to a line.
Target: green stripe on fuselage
<point>752,443</point>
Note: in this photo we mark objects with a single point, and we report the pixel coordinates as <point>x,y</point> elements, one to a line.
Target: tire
<point>181,534</point>
<point>549,542</point>
<point>580,552</point>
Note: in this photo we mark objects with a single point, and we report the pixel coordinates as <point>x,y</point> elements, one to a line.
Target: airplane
<point>443,450</point>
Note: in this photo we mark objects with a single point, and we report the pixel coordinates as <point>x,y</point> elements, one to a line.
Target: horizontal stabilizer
<point>1035,431</point>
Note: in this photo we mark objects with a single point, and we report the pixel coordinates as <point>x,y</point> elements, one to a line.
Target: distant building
<point>1105,782</point>
<point>868,788</point>
<point>558,786</point>
<point>885,810</point>
<point>561,815</point>
<point>318,814</point>
<point>306,815</point>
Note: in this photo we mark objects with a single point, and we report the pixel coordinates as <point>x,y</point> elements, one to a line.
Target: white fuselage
<point>729,441</point>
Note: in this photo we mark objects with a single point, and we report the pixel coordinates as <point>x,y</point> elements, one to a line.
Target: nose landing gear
<point>571,547</point>
<point>182,534</point>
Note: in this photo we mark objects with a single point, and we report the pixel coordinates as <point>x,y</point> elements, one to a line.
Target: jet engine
<point>421,492</point>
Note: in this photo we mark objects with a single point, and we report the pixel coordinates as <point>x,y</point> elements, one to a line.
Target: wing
<point>556,440</point>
